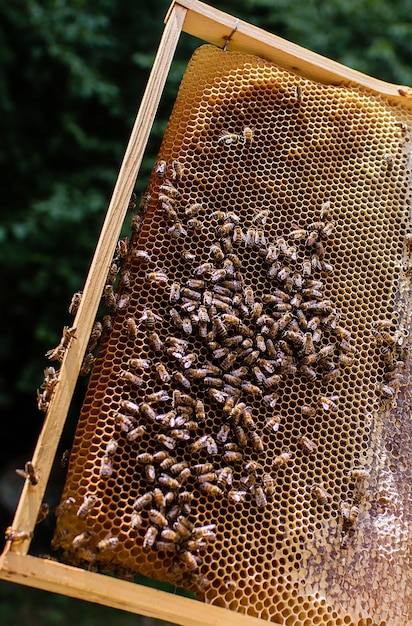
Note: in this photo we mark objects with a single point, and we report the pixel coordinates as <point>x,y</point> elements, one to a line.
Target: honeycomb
<point>244,434</point>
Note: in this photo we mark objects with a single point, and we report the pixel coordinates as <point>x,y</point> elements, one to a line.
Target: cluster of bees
<point>392,344</point>
<point>51,376</point>
<point>111,299</point>
<point>253,342</point>
<point>350,510</point>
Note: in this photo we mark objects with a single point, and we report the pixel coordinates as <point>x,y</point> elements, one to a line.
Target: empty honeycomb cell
<point>275,228</point>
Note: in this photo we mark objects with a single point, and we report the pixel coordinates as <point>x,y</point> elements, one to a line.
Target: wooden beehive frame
<point>16,565</point>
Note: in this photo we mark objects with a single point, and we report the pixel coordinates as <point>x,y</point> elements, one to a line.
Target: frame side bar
<point>214,26</point>
<point>31,497</point>
<point>59,578</point>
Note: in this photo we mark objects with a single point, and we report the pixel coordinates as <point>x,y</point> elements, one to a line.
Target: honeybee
<point>240,435</point>
<point>169,535</point>
<point>180,434</point>
<point>251,389</point>
<point>111,447</point>
<point>45,391</point>
<point>130,407</point>
<point>320,494</point>
<point>271,399</point>
<point>112,273</point>
<point>160,169</point>
<point>17,536</point>
<point>159,277</point>
<point>359,474</point>
<point>95,335</point>
<point>131,378</point>
<point>273,423</point>
<point>308,410</point>
<point>158,396</point>
<point>123,302</point>
<point>136,223</point>
<point>136,520</point>
<point>150,537</point>
<point>247,419</point>
<point>166,204</point>
<point>142,256</point>
<point>282,459</point>
<point>306,267</point>
<point>329,403</point>
<point>308,445</point>
<point>131,327</point>
<point>144,458</point>
<point>247,134</point>
<point>194,209</point>
<point>327,267</point>
<point>225,230</point>
<point>122,248</point>
<point>308,372</point>
<point>256,441</point>
<point>387,391</point>
<point>177,171</point>
<point>188,256</point>
<point>169,482</point>
<point>139,363</point>
<point>107,323</point>
<point>216,395</point>
<point>87,505</point>
<point>126,422</point>
<point>179,378</point>
<point>190,561</point>
<point>143,501</point>
<point>57,353</point>
<point>81,539</point>
<point>225,477</point>
<point>157,518</point>
<point>65,458</point>
<point>268,484</point>
<point>297,234</point>
<point>260,496</point>
<point>260,238</point>
<point>108,543</point>
<point>106,466</point>
<point>75,302</point>
<point>261,217</point>
<point>312,239</point>
<point>353,515</point>
<point>206,478</point>
<point>210,489</point>
<point>65,506</point>
<point>237,235</point>
<point>186,325</point>
<point>29,473</point>
<point>237,495</point>
<point>109,297</point>
<point>148,411</point>
<point>169,190</point>
<point>155,342</point>
<point>227,138</point>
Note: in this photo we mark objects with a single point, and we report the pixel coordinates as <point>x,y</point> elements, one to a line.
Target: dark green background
<point>71,78</point>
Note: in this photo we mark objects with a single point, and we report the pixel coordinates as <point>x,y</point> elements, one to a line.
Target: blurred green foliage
<point>72,73</point>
